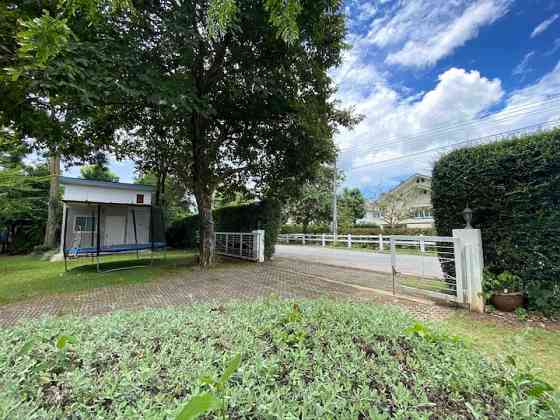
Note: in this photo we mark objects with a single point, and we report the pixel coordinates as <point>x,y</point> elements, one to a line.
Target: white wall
<point>104,195</point>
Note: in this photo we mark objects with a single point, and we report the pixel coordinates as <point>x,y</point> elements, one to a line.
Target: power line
<point>513,112</point>
<point>507,134</point>
<point>474,127</point>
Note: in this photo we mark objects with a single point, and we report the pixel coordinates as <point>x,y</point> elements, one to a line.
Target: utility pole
<point>334,211</point>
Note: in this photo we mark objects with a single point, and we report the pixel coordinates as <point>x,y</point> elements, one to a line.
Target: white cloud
<point>554,48</point>
<point>437,36</point>
<point>544,25</point>
<point>523,67</point>
<point>396,126</point>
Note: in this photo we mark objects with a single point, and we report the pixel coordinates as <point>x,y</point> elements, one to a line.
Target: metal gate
<point>428,265</point>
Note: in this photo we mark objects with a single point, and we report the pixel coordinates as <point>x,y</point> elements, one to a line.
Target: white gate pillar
<point>470,248</point>
<point>349,241</point>
<point>259,242</point>
<point>323,239</point>
<point>381,242</point>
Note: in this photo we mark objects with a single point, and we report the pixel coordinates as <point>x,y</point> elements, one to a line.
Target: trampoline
<point>96,229</point>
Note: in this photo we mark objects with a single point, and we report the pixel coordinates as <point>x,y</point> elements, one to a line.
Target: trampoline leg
<point>65,264</point>
<point>97,258</point>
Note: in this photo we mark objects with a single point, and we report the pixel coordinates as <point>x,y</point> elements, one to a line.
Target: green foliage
<point>351,207</point>
<point>24,193</point>
<point>521,314</point>
<point>198,405</point>
<point>99,171</point>
<point>208,401</point>
<point>312,205</point>
<point>512,187</point>
<point>503,282</point>
<point>544,296</point>
<point>41,39</point>
<point>173,197</point>
<point>265,215</point>
<point>355,362</point>
<point>283,17</point>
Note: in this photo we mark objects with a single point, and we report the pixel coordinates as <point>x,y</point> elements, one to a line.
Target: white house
<point>409,204</point>
<point>109,217</point>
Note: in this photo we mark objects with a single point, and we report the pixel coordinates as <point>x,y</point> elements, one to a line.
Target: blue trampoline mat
<point>115,248</point>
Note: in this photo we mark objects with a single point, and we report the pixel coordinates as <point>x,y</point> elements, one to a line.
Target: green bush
<point>309,360</point>
<point>264,215</point>
<point>514,189</point>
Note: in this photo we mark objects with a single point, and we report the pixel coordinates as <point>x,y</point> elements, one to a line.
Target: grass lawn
<point>24,277</point>
<point>311,360</point>
<point>533,346</point>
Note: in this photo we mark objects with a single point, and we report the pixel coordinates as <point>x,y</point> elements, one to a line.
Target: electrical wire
<point>479,140</point>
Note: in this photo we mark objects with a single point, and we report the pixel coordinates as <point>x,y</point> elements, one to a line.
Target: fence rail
<point>244,245</point>
<point>382,241</point>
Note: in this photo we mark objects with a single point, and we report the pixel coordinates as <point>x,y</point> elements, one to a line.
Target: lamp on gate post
<point>467,215</point>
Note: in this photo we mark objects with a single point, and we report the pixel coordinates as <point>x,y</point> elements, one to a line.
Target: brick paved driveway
<point>233,280</point>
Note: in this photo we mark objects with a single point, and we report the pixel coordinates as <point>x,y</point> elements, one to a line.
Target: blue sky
<point>423,73</point>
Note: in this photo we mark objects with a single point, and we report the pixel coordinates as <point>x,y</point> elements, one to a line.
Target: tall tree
<point>351,206</point>
<point>245,84</point>
<point>313,203</point>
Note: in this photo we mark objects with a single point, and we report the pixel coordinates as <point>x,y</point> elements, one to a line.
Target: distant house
<point>408,204</point>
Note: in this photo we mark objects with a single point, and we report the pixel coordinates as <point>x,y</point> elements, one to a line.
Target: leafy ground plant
<point>305,359</point>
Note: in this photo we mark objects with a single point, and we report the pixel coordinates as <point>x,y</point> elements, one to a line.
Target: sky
<point>427,74</point>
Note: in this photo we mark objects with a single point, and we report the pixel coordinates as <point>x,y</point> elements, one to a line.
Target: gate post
<point>322,239</point>
<point>349,242</point>
<point>381,242</point>
<point>470,253</point>
<point>303,238</point>
<point>259,243</point>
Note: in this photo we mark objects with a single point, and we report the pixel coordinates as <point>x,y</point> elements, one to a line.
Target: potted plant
<point>504,290</point>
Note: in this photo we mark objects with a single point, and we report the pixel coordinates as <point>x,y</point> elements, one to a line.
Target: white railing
<point>245,245</point>
<point>324,239</point>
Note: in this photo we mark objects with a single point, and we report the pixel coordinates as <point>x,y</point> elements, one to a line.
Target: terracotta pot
<point>507,302</point>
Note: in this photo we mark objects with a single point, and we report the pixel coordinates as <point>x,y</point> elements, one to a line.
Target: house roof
<point>64,180</point>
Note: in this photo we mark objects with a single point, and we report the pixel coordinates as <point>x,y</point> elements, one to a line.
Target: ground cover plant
<point>310,359</point>
<point>25,277</point>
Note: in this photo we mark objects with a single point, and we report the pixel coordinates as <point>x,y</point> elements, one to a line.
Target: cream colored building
<point>409,204</point>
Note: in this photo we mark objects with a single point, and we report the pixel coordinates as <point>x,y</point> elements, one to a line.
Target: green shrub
<point>513,187</point>
<point>313,360</point>
<point>264,215</point>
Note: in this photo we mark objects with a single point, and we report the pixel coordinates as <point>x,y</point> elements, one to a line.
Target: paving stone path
<point>285,278</point>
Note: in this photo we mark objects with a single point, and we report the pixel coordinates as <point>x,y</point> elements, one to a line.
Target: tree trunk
<point>52,220</point>
<point>204,199</point>
<point>305,226</point>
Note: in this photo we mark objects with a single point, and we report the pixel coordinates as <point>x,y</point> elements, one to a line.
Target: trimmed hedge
<point>514,189</point>
<point>357,230</point>
<point>266,214</point>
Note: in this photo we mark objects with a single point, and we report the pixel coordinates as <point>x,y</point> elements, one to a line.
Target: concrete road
<point>427,266</point>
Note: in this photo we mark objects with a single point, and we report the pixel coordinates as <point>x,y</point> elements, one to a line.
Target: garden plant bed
<point>304,359</point>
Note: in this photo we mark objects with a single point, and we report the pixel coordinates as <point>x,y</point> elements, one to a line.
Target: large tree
<point>243,84</point>
<point>313,203</point>
<point>351,206</point>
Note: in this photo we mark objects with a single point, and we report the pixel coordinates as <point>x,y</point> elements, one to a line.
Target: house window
<point>423,213</point>
<point>84,224</point>
<point>139,198</point>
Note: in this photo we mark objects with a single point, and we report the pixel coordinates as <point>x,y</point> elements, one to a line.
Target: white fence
<point>381,241</point>
<point>443,267</point>
<point>245,245</point>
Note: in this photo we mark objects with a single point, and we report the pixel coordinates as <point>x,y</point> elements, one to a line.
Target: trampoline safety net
<point>105,229</point>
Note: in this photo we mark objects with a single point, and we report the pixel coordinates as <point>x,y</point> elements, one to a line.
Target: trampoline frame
<point>98,251</point>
